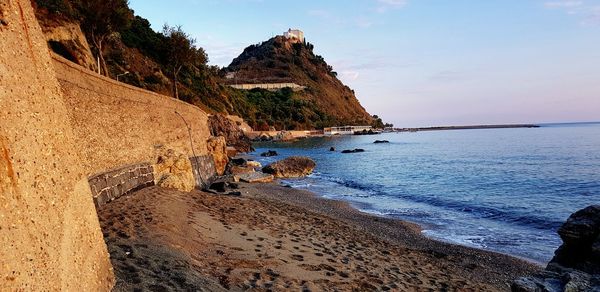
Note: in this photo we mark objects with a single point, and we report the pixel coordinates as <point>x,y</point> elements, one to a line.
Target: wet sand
<point>280,239</point>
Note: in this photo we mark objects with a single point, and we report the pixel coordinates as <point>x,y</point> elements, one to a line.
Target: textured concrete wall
<point>50,238</point>
<point>117,124</point>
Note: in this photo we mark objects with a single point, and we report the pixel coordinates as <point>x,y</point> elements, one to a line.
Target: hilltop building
<point>294,34</point>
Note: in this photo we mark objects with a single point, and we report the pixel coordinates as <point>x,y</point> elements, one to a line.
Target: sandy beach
<point>275,238</point>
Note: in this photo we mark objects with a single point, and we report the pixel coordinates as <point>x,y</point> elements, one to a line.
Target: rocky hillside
<point>288,60</point>
<point>138,55</point>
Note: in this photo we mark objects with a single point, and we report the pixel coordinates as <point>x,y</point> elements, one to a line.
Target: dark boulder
<point>381,141</point>
<point>353,151</point>
<point>581,240</point>
<point>269,153</point>
<point>238,161</point>
<point>218,186</point>
<point>576,263</point>
<point>332,149</point>
<point>291,167</point>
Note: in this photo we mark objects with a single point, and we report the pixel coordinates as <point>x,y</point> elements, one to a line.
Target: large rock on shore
<point>576,264</point>
<point>173,170</point>
<point>220,125</point>
<point>291,167</point>
<point>217,147</point>
<point>581,241</point>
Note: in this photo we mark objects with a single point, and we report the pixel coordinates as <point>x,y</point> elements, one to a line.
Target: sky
<point>424,62</point>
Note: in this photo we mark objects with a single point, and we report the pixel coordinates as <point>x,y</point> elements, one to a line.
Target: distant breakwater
<point>473,127</point>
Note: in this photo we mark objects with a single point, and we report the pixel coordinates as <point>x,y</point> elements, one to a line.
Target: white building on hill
<point>294,34</point>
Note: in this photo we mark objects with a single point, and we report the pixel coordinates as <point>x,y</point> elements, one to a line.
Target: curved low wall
<point>118,124</point>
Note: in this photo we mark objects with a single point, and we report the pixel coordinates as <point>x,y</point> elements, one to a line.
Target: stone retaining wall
<point>204,169</point>
<point>113,184</point>
<point>110,185</point>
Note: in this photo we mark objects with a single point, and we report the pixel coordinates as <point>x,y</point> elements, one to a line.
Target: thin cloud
<point>385,5</point>
<point>333,19</point>
<point>563,4</point>
<point>363,22</point>
<point>588,14</point>
<point>447,76</point>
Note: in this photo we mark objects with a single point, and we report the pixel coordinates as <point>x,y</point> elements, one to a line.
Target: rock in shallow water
<point>353,151</point>
<point>291,167</point>
<point>269,153</point>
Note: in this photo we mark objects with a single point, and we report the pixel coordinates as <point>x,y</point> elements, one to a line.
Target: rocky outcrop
<point>173,170</point>
<point>381,141</point>
<point>217,147</point>
<point>222,126</point>
<point>66,38</point>
<point>291,167</point>
<point>576,264</point>
<point>280,60</point>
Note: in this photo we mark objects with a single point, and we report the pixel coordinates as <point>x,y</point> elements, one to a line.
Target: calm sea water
<point>505,190</point>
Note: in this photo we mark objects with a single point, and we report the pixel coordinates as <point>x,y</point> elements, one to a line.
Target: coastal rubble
<point>255,177</point>
<point>576,264</point>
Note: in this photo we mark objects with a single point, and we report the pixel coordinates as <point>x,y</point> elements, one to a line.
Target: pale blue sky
<point>425,62</point>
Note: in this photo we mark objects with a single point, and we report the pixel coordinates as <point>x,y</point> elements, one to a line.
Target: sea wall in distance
<point>268,86</point>
<point>50,238</point>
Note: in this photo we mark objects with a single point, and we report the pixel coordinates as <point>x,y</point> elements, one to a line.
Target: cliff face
<point>64,36</point>
<point>281,60</point>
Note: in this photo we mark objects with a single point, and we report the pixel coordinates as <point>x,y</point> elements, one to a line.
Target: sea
<point>503,190</point>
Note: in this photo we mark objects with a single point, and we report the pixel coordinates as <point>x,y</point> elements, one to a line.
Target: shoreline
<point>274,237</point>
<point>414,226</point>
<point>343,210</point>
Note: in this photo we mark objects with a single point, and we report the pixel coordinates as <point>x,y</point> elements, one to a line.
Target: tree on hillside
<point>377,122</point>
<point>102,18</point>
<point>181,51</point>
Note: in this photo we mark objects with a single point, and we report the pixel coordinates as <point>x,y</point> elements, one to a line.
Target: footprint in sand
<point>298,257</point>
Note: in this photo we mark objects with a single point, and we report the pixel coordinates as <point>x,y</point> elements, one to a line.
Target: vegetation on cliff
<point>327,100</point>
<point>169,62</point>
